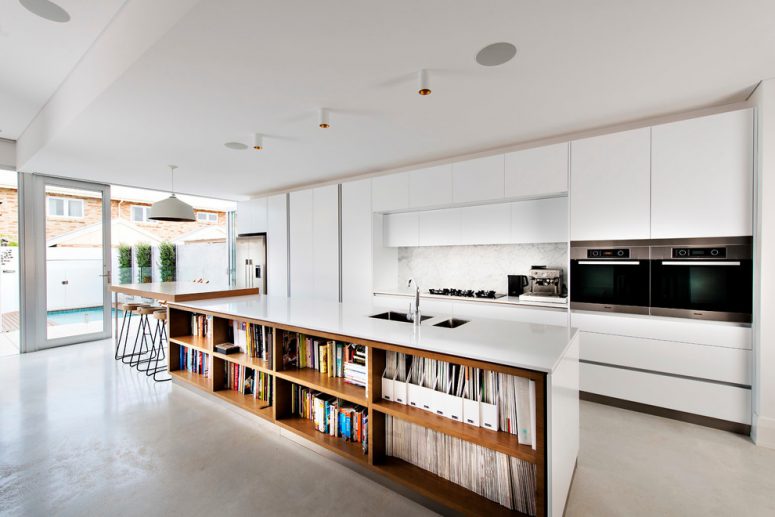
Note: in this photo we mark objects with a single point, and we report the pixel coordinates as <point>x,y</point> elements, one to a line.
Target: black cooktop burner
<point>466,293</point>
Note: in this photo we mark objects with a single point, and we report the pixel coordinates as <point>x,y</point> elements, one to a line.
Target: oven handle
<point>700,263</point>
<point>609,262</point>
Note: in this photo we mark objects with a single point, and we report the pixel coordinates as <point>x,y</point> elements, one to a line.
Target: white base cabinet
<point>356,241</point>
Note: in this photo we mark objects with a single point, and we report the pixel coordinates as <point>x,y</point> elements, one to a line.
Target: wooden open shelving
<point>421,481</point>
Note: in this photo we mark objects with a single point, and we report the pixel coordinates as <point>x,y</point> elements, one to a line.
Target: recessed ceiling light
<point>46,9</point>
<point>496,54</point>
<point>237,146</point>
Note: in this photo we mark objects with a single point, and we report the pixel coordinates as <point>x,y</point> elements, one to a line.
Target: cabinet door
<point>702,177</point>
<point>401,229</point>
<point>610,181</point>
<point>251,216</point>
<point>538,171</point>
<point>277,246</point>
<point>439,227</point>
<point>356,241</point>
<point>302,252</point>
<point>325,243</point>
<point>390,192</point>
<point>480,179</point>
<point>539,220</point>
<point>431,186</point>
<point>485,224</point>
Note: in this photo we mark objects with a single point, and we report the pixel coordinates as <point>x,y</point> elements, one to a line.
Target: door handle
<point>609,262</point>
<point>699,263</point>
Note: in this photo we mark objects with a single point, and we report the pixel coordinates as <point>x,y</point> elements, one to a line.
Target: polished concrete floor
<point>82,435</point>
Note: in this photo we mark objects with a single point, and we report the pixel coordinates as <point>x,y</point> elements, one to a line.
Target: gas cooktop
<point>466,293</point>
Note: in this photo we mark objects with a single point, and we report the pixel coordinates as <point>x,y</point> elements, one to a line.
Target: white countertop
<point>511,343</point>
<point>503,300</point>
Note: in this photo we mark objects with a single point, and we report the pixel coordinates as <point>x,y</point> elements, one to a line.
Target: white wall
<point>81,268</point>
<point>763,432</point>
<point>9,279</point>
<point>7,154</point>
<point>198,260</point>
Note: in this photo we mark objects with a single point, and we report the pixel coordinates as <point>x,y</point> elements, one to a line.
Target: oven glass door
<point>719,286</point>
<point>610,282</point>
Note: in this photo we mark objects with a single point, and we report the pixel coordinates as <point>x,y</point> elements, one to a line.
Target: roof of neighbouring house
<point>207,234</point>
<point>122,232</point>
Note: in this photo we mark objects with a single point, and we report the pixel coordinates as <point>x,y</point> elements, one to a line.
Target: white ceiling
<point>36,55</point>
<point>227,69</point>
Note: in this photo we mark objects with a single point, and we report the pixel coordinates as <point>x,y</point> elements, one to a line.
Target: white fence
<point>9,279</point>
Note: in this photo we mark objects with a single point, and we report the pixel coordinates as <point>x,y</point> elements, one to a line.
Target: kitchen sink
<point>451,323</point>
<point>396,316</point>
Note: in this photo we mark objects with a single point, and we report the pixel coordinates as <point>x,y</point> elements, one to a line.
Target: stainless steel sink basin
<point>451,323</point>
<point>396,316</point>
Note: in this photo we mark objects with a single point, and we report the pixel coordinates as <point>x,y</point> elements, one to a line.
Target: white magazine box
<point>415,395</point>
<point>471,412</point>
<point>387,389</point>
<point>400,392</point>
<point>438,402</point>
<point>454,408</point>
<point>488,416</point>
<point>426,398</point>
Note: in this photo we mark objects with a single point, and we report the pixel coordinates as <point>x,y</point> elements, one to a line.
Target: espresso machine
<point>544,285</point>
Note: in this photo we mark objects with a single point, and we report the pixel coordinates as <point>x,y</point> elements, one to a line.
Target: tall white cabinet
<point>314,234</point>
<point>610,183</point>
<point>277,245</point>
<point>356,241</point>
<point>702,177</point>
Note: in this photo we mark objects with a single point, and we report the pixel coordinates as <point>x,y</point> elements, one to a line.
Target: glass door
<point>72,251</point>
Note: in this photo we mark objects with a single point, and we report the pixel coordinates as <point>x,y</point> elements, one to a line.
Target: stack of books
<point>253,340</point>
<point>194,361</point>
<point>331,415</point>
<point>332,358</point>
<point>248,381</point>
<point>201,325</point>
<point>499,477</point>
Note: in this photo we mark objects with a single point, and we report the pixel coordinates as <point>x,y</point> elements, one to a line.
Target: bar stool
<point>143,331</point>
<point>126,323</point>
<point>161,333</point>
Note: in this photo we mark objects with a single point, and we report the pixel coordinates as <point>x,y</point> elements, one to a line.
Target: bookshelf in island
<point>482,418</point>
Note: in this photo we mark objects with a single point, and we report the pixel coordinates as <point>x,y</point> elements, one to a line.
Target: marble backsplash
<point>476,267</point>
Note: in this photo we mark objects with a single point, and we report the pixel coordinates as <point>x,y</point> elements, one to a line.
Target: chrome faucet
<point>414,316</point>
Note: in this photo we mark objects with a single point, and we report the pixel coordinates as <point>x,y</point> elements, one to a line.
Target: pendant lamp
<point>172,208</point>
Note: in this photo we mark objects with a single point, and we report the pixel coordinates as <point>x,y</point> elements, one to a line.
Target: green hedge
<point>124,264</point>
<point>143,254</point>
<point>167,261</point>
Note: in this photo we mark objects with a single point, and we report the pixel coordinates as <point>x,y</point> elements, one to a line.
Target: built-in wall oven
<point>703,279</point>
<point>609,276</point>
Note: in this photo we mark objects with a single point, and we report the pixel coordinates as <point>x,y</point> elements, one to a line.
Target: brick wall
<point>56,226</point>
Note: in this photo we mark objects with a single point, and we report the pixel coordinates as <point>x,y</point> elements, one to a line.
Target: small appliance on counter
<point>517,284</point>
<point>545,285</point>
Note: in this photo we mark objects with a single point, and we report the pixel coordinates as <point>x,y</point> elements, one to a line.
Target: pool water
<point>72,316</point>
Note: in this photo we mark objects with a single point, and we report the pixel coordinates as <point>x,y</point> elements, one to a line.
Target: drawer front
<point>713,333</point>
<point>701,398</point>
<point>512,313</point>
<point>706,362</point>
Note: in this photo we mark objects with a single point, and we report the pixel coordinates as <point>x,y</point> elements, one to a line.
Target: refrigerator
<point>250,262</point>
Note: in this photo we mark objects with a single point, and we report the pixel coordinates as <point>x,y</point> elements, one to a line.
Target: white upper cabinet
<point>538,171</point>
<point>485,224</point>
<point>356,241</point>
<point>610,183</point>
<point>390,192</point>
<point>439,227</point>
<point>702,177</point>
<point>277,246</point>
<point>302,254</point>
<point>431,186</point>
<point>480,179</point>
<point>325,243</point>
<point>401,229</point>
<point>539,220</point>
<point>251,216</point>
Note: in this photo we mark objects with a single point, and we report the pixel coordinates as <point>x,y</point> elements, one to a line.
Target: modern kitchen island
<point>545,355</point>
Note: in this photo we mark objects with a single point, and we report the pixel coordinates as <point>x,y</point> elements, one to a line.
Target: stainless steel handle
<point>700,263</point>
<point>609,262</point>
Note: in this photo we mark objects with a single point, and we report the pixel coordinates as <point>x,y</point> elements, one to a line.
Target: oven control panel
<point>699,252</point>
<point>609,253</point>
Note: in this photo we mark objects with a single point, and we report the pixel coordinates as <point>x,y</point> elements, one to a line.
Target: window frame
<point>66,207</point>
<point>146,210</point>
<point>210,217</point>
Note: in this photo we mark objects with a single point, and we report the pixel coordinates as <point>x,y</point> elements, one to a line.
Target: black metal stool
<point>160,336</point>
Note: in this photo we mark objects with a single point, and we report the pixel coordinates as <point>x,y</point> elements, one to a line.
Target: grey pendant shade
<point>172,208</point>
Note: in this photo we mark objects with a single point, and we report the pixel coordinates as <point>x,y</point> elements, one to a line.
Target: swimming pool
<point>71,316</point>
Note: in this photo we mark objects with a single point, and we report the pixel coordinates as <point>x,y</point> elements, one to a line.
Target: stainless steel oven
<point>703,279</point>
<point>609,276</point>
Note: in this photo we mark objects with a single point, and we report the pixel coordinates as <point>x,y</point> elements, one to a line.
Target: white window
<point>206,217</point>
<point>65,207</point>
<point>139,214</point>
